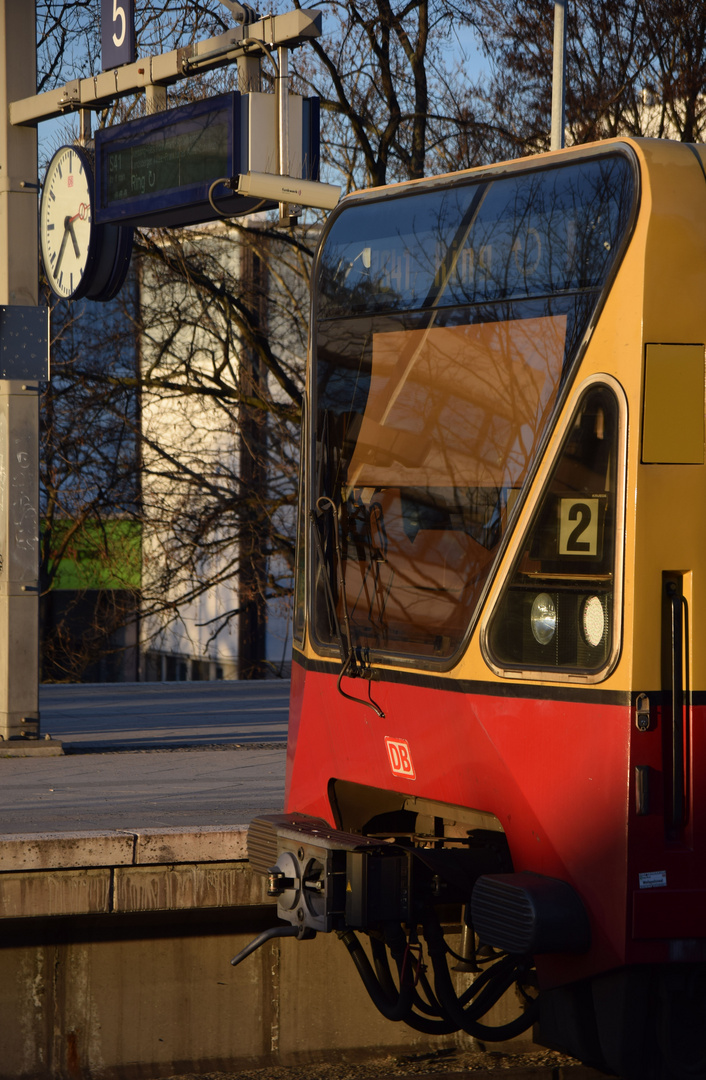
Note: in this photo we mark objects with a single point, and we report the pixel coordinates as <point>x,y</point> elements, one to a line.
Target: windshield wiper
<point>351,667</point>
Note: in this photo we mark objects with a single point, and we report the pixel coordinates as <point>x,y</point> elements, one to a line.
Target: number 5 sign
<point>117,33</point>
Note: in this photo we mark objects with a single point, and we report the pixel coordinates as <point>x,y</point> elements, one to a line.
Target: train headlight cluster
<point>556,610</point>
<point>543,618</point>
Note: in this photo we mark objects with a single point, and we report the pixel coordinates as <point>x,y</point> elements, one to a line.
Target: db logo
<point>400,758</point>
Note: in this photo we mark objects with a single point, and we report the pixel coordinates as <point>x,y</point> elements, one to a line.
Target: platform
<point>124,892</point>
<point>151,755</point>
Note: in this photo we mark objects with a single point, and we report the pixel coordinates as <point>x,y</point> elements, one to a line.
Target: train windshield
<point>446,322</point>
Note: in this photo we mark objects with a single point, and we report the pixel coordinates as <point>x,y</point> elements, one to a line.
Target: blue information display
<point>117,33</point>
<point>158,170</point>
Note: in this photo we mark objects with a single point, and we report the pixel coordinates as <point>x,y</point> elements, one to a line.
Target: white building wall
<point>190,443</point>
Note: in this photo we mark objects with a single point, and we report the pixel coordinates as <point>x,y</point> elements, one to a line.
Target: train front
<point>485,726</point>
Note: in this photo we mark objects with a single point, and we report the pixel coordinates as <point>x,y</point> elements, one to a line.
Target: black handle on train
<point>679,638</point>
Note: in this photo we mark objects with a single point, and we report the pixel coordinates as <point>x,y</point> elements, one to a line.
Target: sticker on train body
<point>400,757</point>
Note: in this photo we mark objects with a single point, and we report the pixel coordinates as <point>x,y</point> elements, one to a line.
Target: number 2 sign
<point>117,33</point>
<point>578,526</point>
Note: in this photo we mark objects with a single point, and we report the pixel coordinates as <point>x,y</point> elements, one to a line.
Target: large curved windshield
<point>446,321</point>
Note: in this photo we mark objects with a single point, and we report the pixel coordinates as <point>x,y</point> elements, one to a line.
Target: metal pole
<point>283,123</point>
<point>19,398</point>
<point>559,75</point>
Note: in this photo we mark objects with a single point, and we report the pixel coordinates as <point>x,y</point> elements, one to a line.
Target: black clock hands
<point>69,231</point>
<point>64,240</point>
<point>70,226</point>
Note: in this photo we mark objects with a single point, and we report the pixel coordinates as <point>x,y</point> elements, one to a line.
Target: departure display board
<point>158,170</point>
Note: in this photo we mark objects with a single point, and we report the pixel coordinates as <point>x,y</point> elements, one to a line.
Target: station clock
<point>81,259</point>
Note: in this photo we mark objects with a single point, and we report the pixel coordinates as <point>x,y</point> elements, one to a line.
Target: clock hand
<point>62,249</point>
<point>70,227</point>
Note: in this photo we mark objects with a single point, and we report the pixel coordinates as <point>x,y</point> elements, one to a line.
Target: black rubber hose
<point>382,965</point>
<point>504,979</point>
<point>485,976</point>
<point>434,1022</point>
<point>429,1026</point>
<point>431,1006</point>
<point>274,931</point>
<point>397,942</point>
<point>395,1006</point>
<point>492,993</point>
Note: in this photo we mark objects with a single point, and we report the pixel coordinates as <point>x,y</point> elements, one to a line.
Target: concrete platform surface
<point>149,789</point>
<point>150,755</point>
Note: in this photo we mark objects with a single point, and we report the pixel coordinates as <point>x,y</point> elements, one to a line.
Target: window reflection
<point>431,405</point>
<point>529,235</point>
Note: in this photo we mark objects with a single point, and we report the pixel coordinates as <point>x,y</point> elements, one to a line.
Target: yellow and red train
<point>496,689</point>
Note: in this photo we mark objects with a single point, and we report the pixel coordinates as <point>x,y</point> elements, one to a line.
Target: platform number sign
<point>578,527</point>
<point>117,33</point>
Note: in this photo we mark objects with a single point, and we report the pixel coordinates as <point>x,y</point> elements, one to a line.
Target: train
<point>497,719</point>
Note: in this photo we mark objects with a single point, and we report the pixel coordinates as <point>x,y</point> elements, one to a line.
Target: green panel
<point>106,555</point>
<point>673,416</point>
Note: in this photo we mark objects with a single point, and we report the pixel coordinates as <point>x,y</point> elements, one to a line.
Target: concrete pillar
<point>19,398</point>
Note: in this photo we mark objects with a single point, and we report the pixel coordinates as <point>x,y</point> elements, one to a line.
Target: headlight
<point>593,621</point>
<point>543,618</point>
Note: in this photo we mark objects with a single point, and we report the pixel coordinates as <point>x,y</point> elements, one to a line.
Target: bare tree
<point>90,493</point>
<point>393,91</point>
<point>209,350</point>
<point>636,67</point>
<point>213,399</point>
<point>223,337</point>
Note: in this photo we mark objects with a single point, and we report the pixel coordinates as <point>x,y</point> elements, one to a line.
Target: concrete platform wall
<point>121,972</point>
<point>146,1007</point>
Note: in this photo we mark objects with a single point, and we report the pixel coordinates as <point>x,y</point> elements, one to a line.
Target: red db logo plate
<point>400,758</point>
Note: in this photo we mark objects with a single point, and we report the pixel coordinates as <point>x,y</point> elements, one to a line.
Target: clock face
<point>66,222</point>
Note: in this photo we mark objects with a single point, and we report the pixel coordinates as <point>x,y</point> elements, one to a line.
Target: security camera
<point>287,189</point>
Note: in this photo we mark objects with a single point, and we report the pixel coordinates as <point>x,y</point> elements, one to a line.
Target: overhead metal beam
<point>289,30</point>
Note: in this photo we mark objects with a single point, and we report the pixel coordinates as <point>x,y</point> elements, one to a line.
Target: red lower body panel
<point>557,774</point>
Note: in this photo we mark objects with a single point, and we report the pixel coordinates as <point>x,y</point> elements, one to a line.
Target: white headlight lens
<point>593,620</point>
<point>543,618</point>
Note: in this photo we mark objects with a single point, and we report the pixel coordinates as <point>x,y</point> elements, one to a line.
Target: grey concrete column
<point>19,398</point>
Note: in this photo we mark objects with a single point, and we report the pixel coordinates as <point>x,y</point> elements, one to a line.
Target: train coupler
<point>325,879</point>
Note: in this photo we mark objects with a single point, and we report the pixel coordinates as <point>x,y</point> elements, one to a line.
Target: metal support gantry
<point>274,31</point>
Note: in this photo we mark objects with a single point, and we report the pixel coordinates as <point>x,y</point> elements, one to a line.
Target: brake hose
<point>434,1022</point>
<point>390,1008</point>
<point>498,982</point>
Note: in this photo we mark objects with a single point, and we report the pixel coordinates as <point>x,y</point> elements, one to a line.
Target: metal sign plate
<point>24,342</point>
<point>117,33</point>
